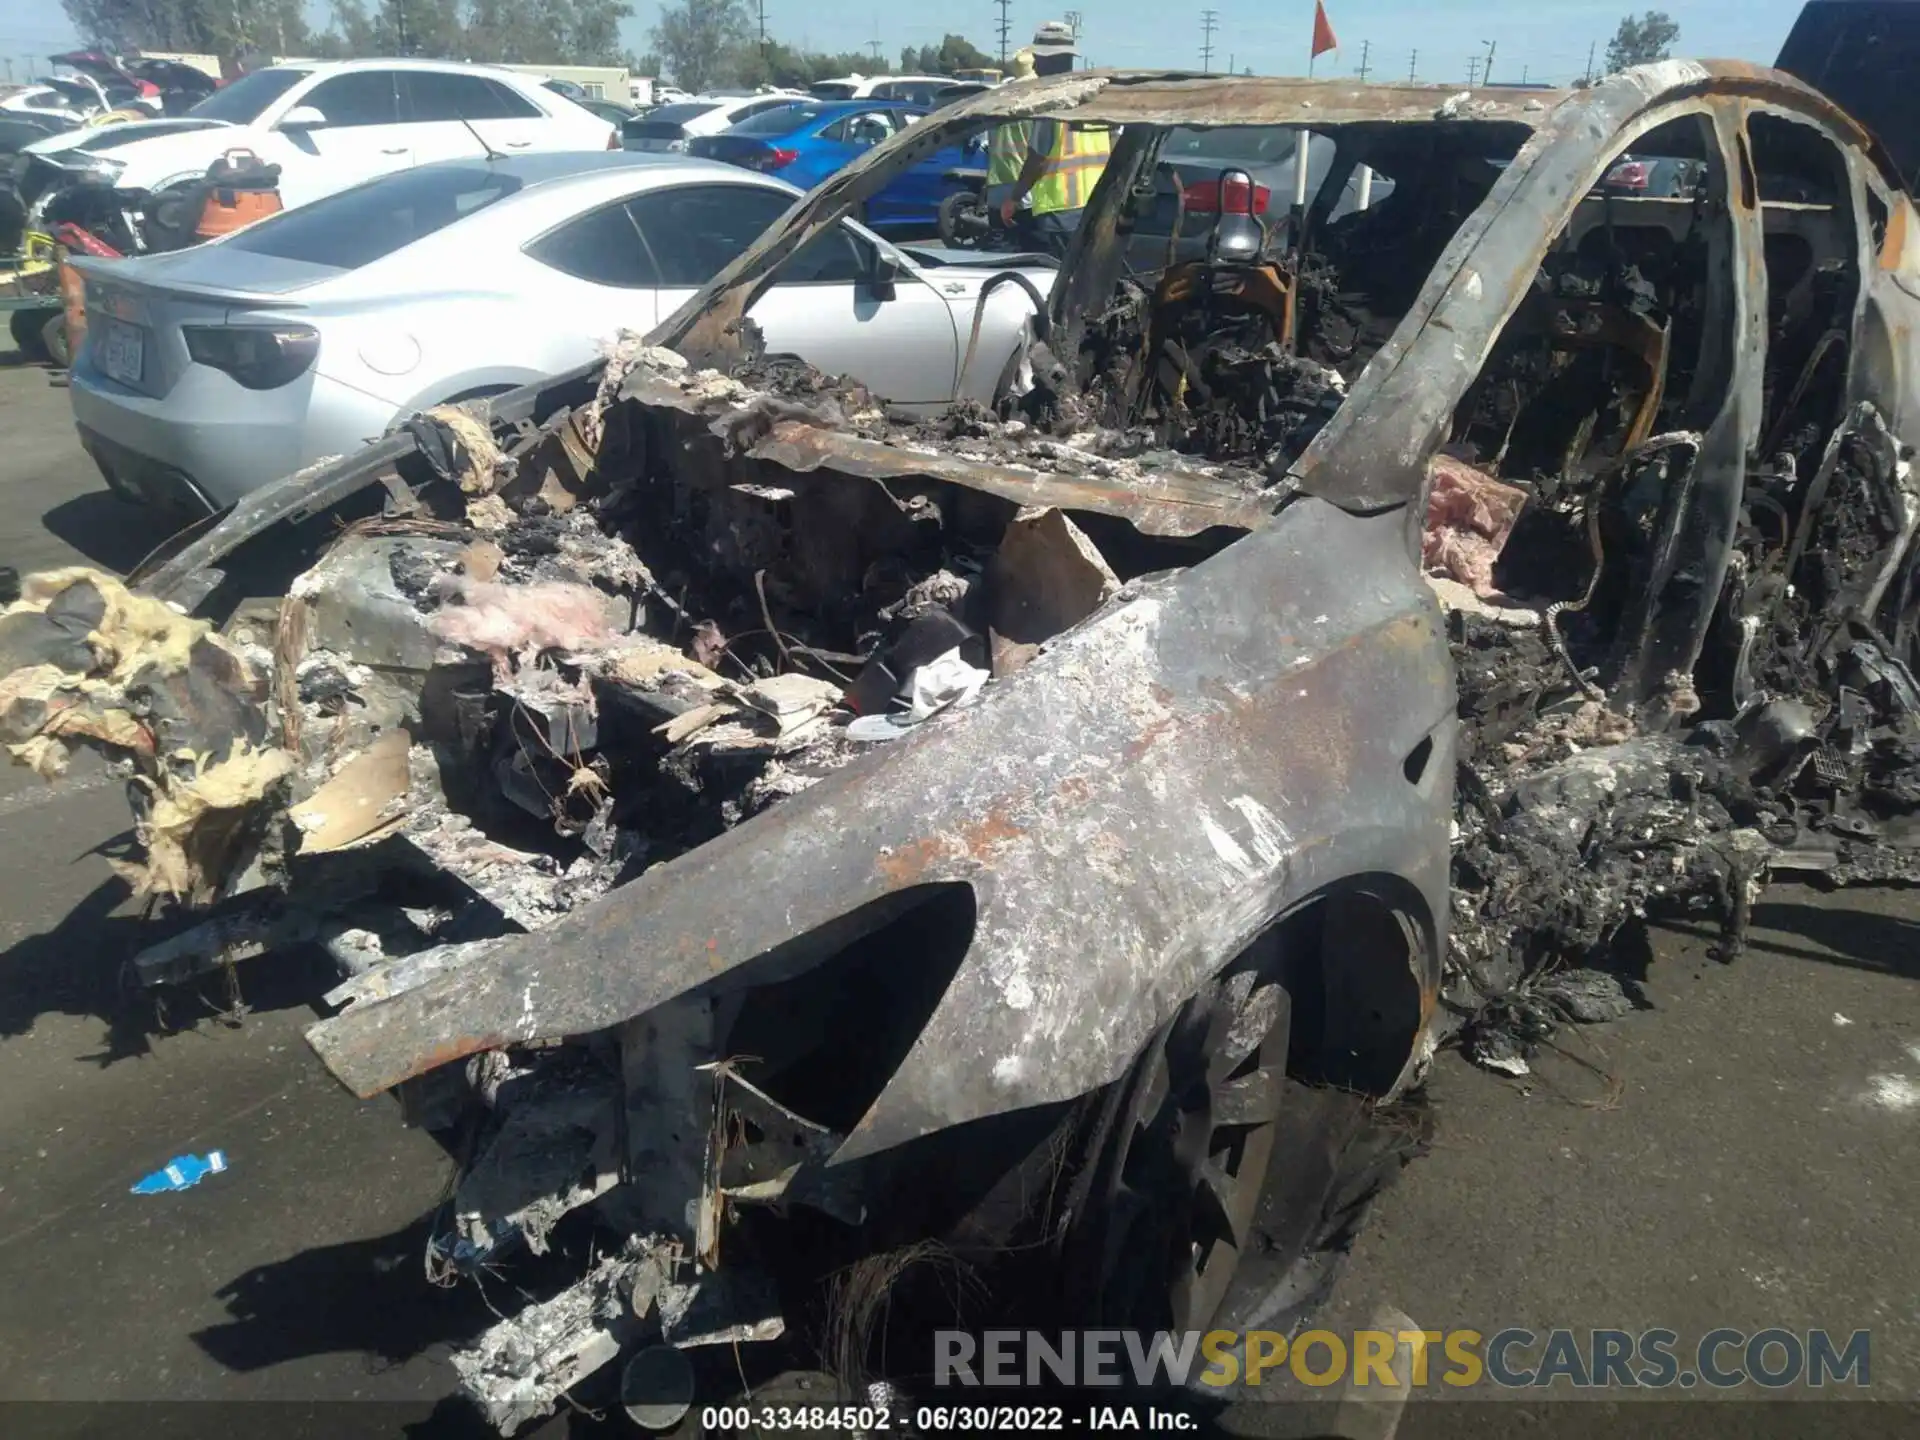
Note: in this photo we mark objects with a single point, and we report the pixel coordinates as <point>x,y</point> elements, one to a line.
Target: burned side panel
<point>1129,810</point>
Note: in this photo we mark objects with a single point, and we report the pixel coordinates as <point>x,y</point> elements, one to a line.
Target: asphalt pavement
<point>1744,1153</point>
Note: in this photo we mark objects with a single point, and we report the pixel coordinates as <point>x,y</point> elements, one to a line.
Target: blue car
<point>805,142</point>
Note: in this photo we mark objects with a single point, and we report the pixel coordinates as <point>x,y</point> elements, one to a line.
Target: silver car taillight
<point>260,357</point>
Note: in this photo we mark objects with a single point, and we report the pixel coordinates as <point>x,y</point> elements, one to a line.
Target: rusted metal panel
<point>1168,500</point>
<point>1236,742</point>
<point>1174,502</point>
<point>1211,100</point>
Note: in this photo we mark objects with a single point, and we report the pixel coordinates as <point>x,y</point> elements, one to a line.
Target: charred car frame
<point>1132,955</point>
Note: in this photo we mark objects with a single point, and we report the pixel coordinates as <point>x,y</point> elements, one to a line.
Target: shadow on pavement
<point>80,967</point>
<point>112,533</point>
<point>1860,939</point>
<point>367,1296</point>
<point>372,1297</point>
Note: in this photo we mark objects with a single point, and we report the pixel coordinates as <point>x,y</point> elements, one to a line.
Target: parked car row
<point>674,127</point>
<point>210,371</point>
<point>806,142</point>
<point>495,236</point>
<point>323,126</point>
<point>450,231</point>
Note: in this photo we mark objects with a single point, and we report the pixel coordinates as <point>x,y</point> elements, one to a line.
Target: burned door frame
<point>1884,369</point>
<point>1665,628</point>
<point>1654,668</point>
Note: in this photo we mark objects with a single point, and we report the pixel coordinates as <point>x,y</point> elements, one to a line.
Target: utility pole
<point>1525,70</point>
<point>1006,29</point>
<point>762,8</point>
<point>1486,76</point>
<point>1209,22</point>
<point>1366,49</point>
<point>874,46</point>
<point>1473,71</point>
<point>1592,45</point>
<point>1413,69</point>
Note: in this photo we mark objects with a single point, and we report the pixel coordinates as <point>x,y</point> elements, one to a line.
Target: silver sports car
<point>209,372</point>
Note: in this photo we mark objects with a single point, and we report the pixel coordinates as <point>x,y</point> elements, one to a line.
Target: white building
<point>603,82</point>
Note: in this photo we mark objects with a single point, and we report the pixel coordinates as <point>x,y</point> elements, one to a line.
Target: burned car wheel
<point>1185,1142</point>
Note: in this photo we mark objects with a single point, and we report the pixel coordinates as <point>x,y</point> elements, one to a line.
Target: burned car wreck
<point>827,846</point>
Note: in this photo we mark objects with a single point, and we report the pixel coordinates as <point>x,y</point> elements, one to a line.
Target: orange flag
<point>1323,37</point>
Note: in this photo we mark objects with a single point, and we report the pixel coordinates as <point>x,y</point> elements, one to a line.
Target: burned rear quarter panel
<point>1129,811</point>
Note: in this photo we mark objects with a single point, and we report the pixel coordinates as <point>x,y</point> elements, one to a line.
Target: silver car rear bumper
<point>228,441</point>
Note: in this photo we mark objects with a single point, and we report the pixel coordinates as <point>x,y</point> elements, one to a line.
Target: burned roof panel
<point>1154,98</point>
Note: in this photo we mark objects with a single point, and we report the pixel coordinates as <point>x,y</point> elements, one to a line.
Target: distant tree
<point>647,64</point>
<point>594,36</point>
<point>783,65</point>
<point>1642,41</point>
<point>433,28</point>
<point>954,52</point>
<point>349,35</point>
<point>502,30</point>
<point>702,41</point>
<point>210,27</point>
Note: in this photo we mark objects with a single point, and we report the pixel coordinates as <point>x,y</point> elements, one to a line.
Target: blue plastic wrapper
<point>181,1172</point>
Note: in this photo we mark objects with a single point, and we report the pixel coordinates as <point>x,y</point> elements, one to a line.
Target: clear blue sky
<point>1548,39</point>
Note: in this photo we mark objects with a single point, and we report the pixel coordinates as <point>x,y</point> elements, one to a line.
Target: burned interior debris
<point>740,812</point>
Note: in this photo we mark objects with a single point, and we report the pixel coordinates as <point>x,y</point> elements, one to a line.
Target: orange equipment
<point>242,190</point>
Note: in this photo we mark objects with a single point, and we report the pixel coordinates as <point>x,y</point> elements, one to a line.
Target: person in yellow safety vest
<point>1007,145</point>
<point>1064,161</point>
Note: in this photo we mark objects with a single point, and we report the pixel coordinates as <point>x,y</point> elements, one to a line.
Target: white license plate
<point>122,348</point>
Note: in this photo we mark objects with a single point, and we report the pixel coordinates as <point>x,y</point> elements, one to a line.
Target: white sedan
<point>211,371</point>
<point>330,125</point>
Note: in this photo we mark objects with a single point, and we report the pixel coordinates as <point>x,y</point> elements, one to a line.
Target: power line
<point>1006,28</point>
<point>1209,22</point>
<point>1473,71</point>
<point>1366,49</point>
